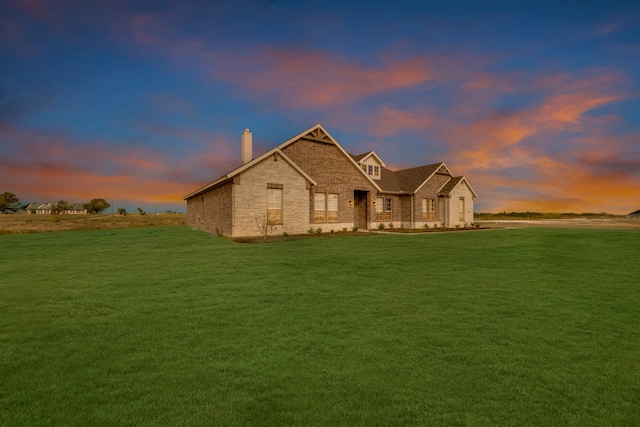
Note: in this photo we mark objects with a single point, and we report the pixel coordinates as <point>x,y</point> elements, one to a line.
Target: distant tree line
<point>9,202</point>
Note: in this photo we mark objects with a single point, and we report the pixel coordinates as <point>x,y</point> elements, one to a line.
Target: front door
<point>361,211</point>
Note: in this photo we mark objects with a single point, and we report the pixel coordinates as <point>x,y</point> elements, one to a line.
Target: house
<point>48,208</point>
<point>310,181</point>
<point>634,215</point>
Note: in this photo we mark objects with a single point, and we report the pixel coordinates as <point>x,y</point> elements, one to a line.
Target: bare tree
<point>265,226</point>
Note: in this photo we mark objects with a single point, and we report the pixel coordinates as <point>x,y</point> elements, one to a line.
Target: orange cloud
<point>539,159</point>
<point>295,77</point>
<point>302,78</point>
<point>46,167</point>
<point>557,112</point>
<point>528,179</point>
<point>387,121</point>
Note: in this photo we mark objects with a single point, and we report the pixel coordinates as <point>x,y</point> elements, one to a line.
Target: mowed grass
<point>169,326</point>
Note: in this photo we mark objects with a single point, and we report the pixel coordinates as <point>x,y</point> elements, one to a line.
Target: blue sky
<point>141,102</point>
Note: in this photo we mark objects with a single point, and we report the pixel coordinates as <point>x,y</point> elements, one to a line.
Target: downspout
<point>412,222</point>
<point>446,211</point>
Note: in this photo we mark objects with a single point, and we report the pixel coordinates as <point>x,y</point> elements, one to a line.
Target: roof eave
<point>433,173</point>
<point>209,186</point>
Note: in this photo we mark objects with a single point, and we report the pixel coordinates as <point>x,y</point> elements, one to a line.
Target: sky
<point>142,102</point>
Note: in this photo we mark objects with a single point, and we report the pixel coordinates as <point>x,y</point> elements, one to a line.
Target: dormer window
<point>372,170</point>
<point>371,164</point>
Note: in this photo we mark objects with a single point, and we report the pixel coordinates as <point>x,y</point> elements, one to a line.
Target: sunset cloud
<point>147,100</point>
<point>315,79</point>
<point>50,167</point>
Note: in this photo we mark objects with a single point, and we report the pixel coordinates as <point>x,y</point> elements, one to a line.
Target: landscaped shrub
<point>310,230</point>
<point>390,225</point>
<point>381,226</point>
<point>318,230</point>
<point>426,225</point>
<point>354,228</point>
<point>344,229</point>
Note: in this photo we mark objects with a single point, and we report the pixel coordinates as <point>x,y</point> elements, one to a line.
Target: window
<point>364,168</point>
<point>319,206</point>
<point>376,171</point>
<point>332,208</point>
<point>387,209</point>
<point>461,217</point>
<point>274,205</point>
<point>370,170</point>
<point>379,205</point>
<point>428,209</point>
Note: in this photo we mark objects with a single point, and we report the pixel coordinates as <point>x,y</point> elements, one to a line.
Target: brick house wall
<point>400,208</point>
<point>430,191</point>
<point>211,210</point>
<point>333,173</point>
<point>405,212</point>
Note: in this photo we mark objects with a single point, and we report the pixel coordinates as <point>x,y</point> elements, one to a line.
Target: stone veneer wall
<point>333,173</point>
<point>461,190</point>
<point>250,197</point>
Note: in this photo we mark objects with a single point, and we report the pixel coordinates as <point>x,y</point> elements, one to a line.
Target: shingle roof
<point>449,186</point>
<point>389,180</point>
<point>357,157</point>
<point>48,206</point>
<point>410,179</point>
<point>405,180</point>
<point>635,213</point>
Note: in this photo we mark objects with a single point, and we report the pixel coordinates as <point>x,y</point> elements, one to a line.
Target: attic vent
<point>318,135</point>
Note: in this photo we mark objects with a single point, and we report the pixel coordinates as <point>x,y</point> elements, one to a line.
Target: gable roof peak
<point>448,187</point>
<point>318,133</point>
<point>371,154</point>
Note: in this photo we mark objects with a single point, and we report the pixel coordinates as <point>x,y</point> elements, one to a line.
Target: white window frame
<point>332,207</point>
<point>274,205</point>
<point>320,207</point>
<point>379,208</point>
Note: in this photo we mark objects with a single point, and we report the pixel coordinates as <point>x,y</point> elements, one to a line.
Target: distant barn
<point>634,215</point>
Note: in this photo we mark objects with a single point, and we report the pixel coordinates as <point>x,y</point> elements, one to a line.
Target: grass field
<point>168,326</point>
<point>27,223</point>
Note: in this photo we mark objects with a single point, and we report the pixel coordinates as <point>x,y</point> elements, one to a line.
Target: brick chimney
<point>247,146</point>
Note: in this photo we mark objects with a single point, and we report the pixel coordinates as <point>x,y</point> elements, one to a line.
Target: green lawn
<point>169,326</point>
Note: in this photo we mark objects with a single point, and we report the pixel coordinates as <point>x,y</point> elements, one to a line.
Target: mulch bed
<point>279,237</point>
